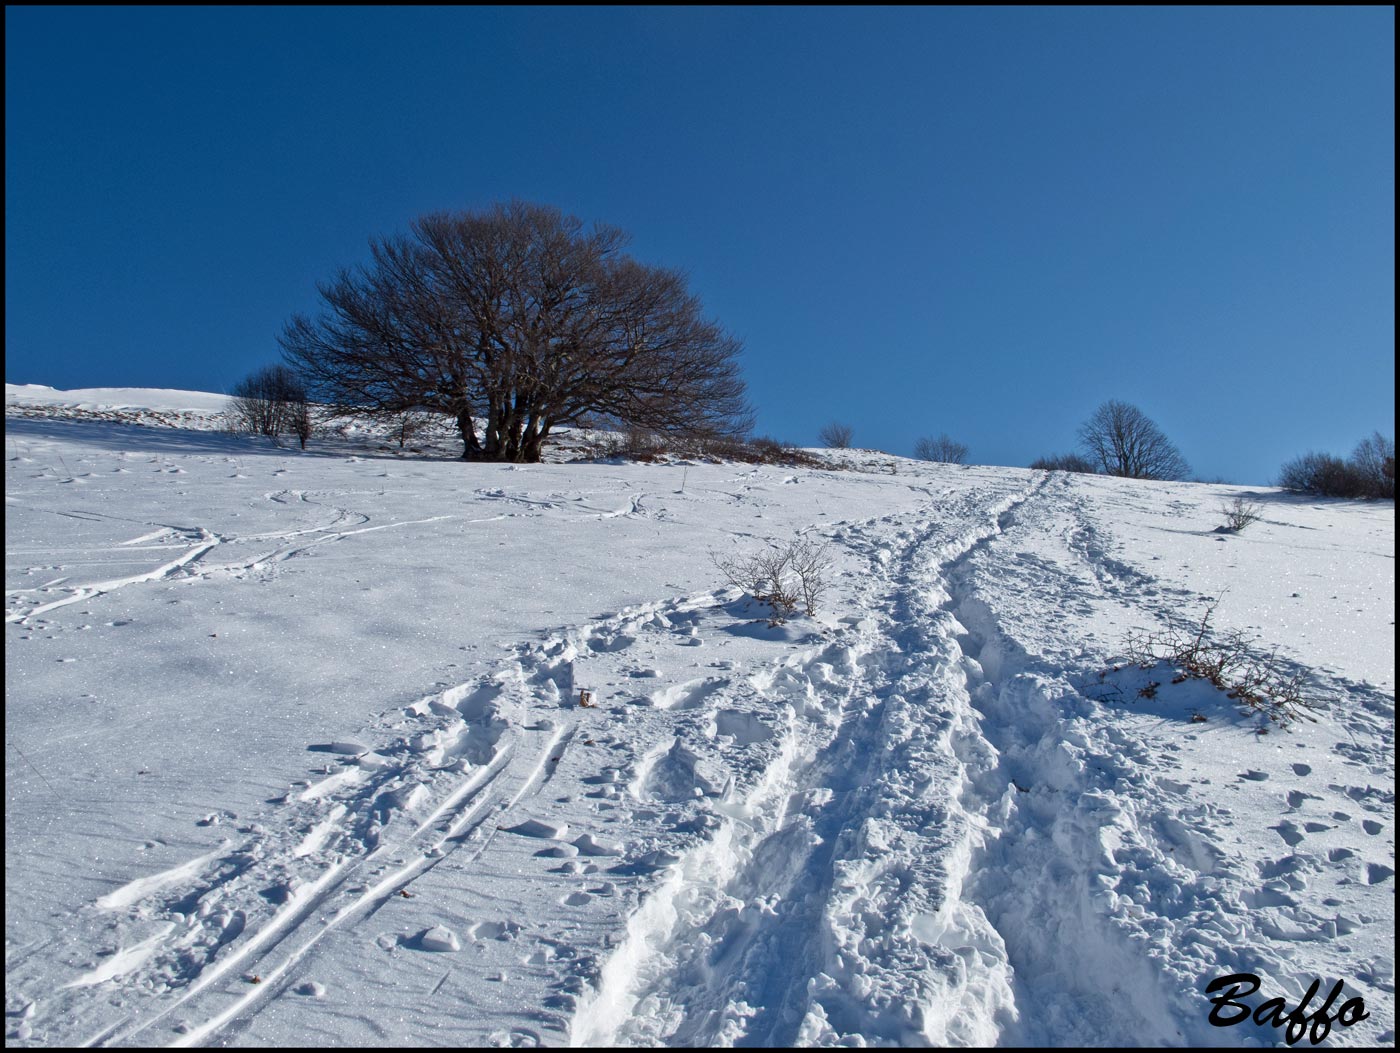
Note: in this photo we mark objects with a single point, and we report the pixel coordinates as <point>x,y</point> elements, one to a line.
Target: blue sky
<point>979,221</point>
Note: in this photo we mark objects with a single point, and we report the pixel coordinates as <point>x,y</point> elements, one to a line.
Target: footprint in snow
<point>494,930</point>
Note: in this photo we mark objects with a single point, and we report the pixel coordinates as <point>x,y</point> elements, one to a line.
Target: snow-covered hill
<point>295,753</point>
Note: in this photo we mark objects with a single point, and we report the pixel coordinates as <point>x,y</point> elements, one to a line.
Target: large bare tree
<point>1121,440</point>
<point>519,320</point>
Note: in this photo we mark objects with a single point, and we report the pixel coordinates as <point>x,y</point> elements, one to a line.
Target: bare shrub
<point>1240,513</point>
<point>767,450</point>
<point>837,436</point>
<point>1370,472</point>
<point>1320,474</point>
<point>783,577</point>
<point>641,444</point>
<point>1066,462</point>
<point>1230,663</point>
<point>942,449</point>
<point>637,444</point>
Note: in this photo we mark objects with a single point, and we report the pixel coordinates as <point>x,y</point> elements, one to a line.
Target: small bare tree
<point>268,402</point>
<point>1123,441</point>
<point>782,577</point>
<point>836,435</point>
<point>941,449</point>
<point>1373,460</point>
<point>405,424</point>
<point>300,417</point>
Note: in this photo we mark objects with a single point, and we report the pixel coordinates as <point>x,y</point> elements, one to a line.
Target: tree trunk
<point>471,448</point>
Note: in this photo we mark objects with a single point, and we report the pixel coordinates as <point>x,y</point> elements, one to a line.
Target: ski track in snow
<point>339,849</point>
<point>828,903</point>
<point>345,523</point>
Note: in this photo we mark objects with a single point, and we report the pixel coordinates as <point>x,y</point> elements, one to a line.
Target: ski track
<point>344,523</point>
<point>338,849</point>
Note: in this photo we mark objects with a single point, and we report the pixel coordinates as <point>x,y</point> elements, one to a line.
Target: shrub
<point>1066,462</point>
<point>782,577</point>
<point>1228,661</point>
<point>1323,475</point>
<point>766,450</point>
<point>639,444</point>
<point>837,436</point>
<point>1370,472</point>
<point>1240,513</point>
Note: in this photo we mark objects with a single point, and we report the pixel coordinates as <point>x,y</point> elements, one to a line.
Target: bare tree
<point>521,319</point>
<point>940,449</point>
<point>269,402</point>
<point>1374,461</point>
<point>300,418</point>
<point>1121,440</point>
<point>836,435</point>
<point>408,423</point>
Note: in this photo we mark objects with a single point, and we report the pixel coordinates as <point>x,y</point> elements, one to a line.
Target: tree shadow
<point>137,438</point>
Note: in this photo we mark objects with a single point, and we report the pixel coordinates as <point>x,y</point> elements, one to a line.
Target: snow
<point>296,756</point>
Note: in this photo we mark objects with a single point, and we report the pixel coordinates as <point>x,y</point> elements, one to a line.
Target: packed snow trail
<point>1109,880</point>
<point>829,904</point>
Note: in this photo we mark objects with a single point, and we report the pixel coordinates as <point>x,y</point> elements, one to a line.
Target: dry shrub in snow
<point>1228,661</point>
<point>1240,513</point>
<point>1369,473</point>
<point>1066,462</point>
<point>782,577</point>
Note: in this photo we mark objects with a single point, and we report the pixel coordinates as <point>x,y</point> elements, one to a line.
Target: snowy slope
<point>295,755</point>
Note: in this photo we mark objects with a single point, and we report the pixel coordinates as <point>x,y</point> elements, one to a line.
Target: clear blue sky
<point>983,221</point>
